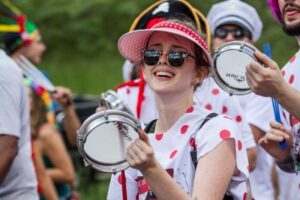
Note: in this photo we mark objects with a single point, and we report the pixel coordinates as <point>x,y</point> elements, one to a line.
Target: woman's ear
<point>201,74</point>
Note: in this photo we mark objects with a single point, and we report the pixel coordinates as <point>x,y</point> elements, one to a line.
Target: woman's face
<point>162,77</point>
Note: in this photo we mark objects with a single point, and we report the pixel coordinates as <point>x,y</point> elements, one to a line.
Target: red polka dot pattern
<point>127,91</point>
<point>225,109</point>
<point>293,59</point>
<point>240,145</point>
<point>184,129</point>
<point>283,72</point>
<point>120,179</point>
<point>208,106</point>
<point>159,136</point>
<point>192,142</point>
<point>190,110</point>
<point>224,134</point>
<point>291,79</point>
<point>172,155</point>
<point>238,118</point>
<point>215,91</point>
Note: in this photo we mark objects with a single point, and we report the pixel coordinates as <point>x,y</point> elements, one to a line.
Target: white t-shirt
<point>14,120</point>
<point>209,95</point>
<point>291,185</point>
<point>172,150</point>
<point>259,112</point>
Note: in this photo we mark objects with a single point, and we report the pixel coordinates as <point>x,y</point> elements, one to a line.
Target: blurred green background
<point>81,38</point>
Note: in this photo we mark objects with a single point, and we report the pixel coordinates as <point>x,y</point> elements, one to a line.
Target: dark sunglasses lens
<point>176,59</point>
<point>237,33</point>
<point>221,33</point>
<point>151,57</point>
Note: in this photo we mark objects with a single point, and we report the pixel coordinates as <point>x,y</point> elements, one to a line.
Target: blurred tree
<point>82,33</point>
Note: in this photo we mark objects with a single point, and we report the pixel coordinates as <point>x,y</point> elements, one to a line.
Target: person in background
<point>139,97</point>
<point>48,141</point>
<point>22,37</point>
<point>233,20</point>
<point>17,176</point>
<point>175,60</point>
<point>284,87</point>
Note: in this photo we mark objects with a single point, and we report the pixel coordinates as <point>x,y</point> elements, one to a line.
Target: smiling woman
<point>175,60</point>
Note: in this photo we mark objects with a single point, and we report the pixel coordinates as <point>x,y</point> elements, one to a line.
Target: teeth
<point>167,74</point>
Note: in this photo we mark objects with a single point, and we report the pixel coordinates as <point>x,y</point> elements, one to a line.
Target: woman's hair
<point>201,62</point>
<point>184,20</point>
<point>37,113</point>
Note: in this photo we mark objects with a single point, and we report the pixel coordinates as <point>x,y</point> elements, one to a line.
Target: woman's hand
<point>140,154</point>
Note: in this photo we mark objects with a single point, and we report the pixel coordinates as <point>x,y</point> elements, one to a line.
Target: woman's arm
<point>45,181</point>
<point>214,172</point>
<point>140,155</point>
<point>55,150</point>
<point>71,122</point>
<point>211,181</point>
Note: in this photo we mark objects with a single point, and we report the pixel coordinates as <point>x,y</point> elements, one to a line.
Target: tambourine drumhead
<point>111,100</point>
<point>230,61</point>
<point>104,137</point>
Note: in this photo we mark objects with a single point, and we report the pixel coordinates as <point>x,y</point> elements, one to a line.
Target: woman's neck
<point>170,108</point>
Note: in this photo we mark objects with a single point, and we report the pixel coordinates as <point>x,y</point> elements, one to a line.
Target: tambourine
<point>111,100</point>
<point>104,138</point>
<point>230,61</point>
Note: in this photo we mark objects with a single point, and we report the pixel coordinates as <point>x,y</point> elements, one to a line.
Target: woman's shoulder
<point>46,131</point>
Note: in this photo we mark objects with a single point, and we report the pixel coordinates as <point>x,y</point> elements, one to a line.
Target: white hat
<point>235,12</point>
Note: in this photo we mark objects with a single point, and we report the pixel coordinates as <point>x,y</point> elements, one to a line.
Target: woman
<point>176,60</point>
<point>48,142</point>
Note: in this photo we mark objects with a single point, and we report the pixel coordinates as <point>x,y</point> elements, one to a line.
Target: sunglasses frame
<point>183,57</point>
<point>233,32</point>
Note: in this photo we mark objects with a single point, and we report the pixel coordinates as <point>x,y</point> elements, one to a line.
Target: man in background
<point>236,20</point>
<point>21,37</point>
<point>17,176</point>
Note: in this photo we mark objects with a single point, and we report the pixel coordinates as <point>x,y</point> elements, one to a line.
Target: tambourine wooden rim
<point>240,46</point>
<point>95,121</point>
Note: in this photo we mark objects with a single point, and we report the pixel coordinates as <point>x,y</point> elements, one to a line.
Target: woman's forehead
<point>160,38</point>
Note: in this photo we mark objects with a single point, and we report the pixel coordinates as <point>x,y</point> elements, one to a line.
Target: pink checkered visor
<point>132,43</point>
<point>273,4</point>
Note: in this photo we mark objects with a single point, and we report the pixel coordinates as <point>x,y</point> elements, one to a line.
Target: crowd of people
<point>199,141</point>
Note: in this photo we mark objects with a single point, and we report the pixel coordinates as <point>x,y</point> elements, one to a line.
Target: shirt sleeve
<point>10,105</point>
<point>217,130</point>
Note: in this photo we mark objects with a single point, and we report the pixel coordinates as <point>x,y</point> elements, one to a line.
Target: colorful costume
<point>15,29</point>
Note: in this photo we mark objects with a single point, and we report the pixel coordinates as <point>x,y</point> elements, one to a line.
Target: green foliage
<point>82,36</point>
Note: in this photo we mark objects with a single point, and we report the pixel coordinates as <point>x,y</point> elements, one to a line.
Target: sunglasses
<point>175,59</point>
<point>236,33</point>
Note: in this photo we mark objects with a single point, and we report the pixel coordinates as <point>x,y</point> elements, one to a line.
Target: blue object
<point>283,143</point>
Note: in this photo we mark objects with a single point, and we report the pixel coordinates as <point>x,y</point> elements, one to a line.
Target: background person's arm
<point>8,151</point>
<point>71,122</point>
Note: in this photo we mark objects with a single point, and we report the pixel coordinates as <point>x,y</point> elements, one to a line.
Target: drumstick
<point>283,143</point>
<point>36,75</point>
